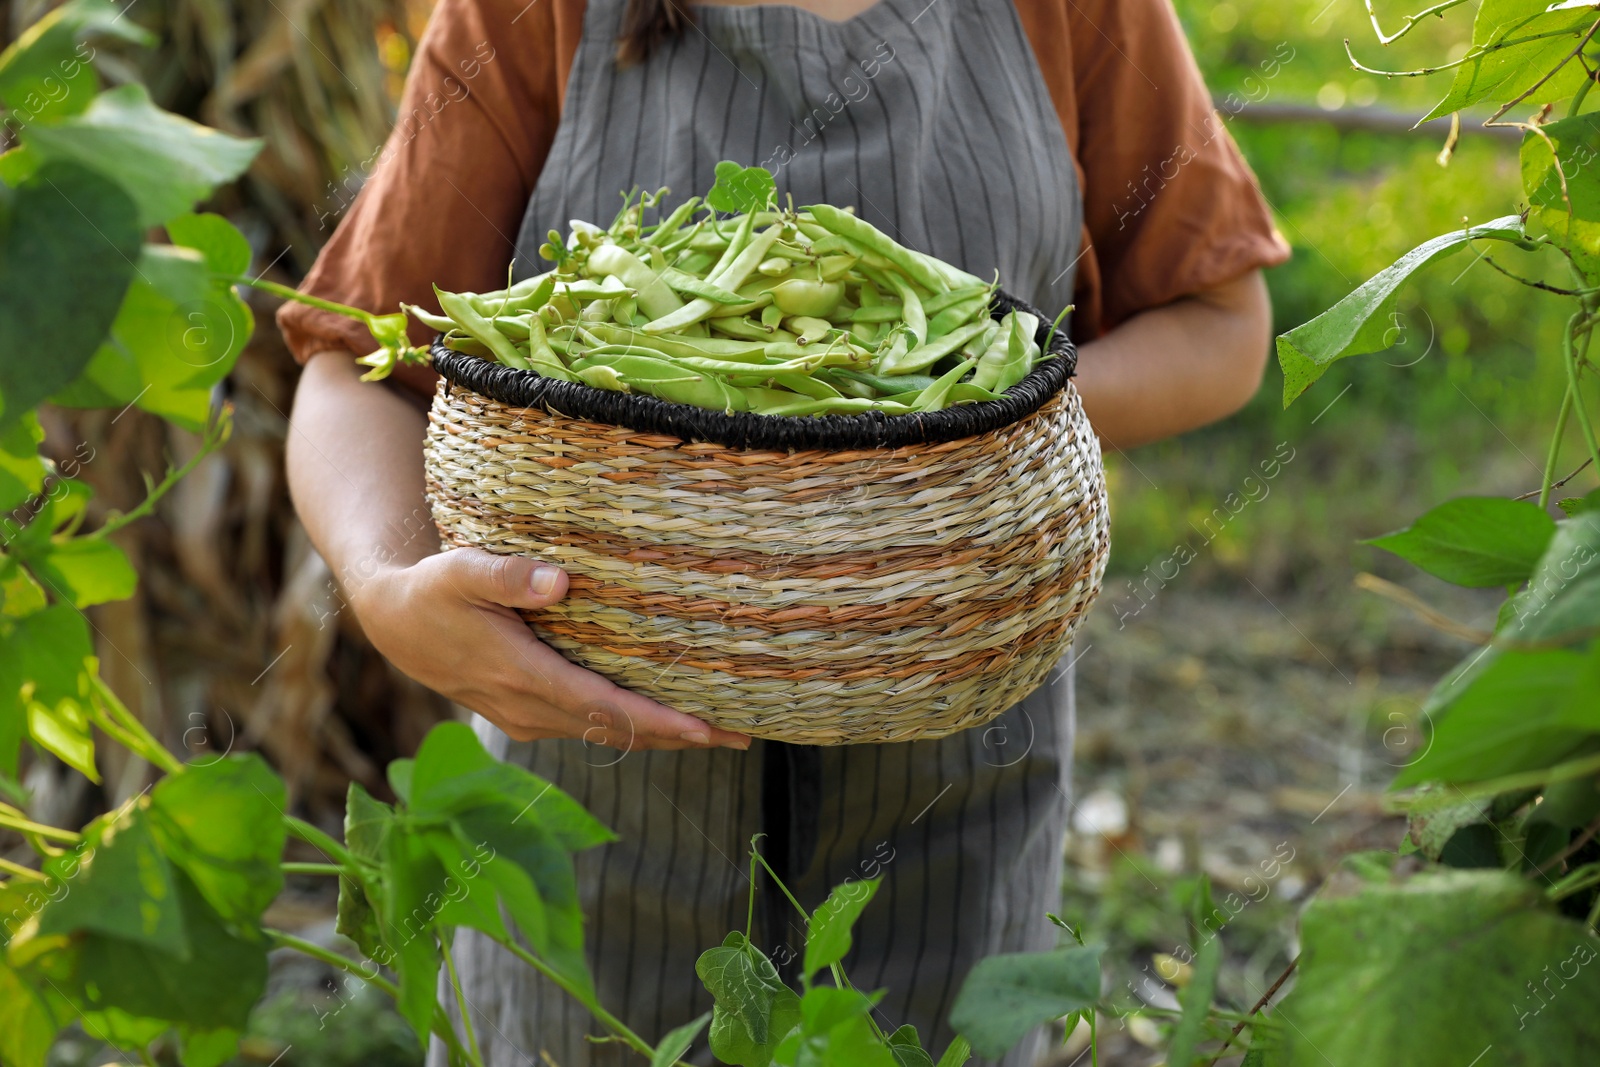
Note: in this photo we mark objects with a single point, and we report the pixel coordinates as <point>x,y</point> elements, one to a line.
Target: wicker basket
<point>834,580</point>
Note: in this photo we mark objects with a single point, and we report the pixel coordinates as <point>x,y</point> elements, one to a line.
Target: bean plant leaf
<point>1475,541</point>
<point>907,1048</point>
<point>741,189</point>
<point>85,571</point>
<point>1577,505</point>
<point>958,1053</point>
<point>1563,594</point>
<point>1567,200</point>
<point>22,469</point>
<point>28,1023</point>
<point>366,822</point>
<point>222,823</point>
<point>1195,1000</point>
<point>1364,321</point>
<point>1528,709</point>
<point>677,1042</point>
<point>1520,41</point>
<point>1377,952</point>
<point>1006,996</point>
<point>835,1031</point>
<point>68,241</point>
<point>753,1010</point>
<point>45,74</point>
<point>205,1047</point>
<point>412,879</point>
<point>165,162</point>
<point>214,985</point>
<point>44,661</point>
<point>123,886</point>
<point>454,772</point>
<point>219,242</point>
<point>828,935</point>
<point>177,334</point>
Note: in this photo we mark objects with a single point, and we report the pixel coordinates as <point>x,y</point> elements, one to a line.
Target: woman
<point>1068,144</point>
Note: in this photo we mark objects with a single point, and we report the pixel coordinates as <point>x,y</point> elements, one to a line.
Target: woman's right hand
<point>448,622</point>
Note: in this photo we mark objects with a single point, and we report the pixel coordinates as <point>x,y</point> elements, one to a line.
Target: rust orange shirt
<point>1170,207</point>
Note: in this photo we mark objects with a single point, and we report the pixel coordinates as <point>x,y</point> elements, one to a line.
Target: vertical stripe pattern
<point>932,119</point>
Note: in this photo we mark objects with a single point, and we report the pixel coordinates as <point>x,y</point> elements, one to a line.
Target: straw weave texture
<point>818,597</point>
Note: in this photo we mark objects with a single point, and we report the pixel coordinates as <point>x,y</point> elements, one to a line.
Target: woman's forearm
<point>1177,367</point>
<point>354,459</point>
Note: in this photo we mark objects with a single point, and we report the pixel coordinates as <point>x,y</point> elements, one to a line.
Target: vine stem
<point>331,869</point>
<point>319,841</point>
<point>1572,385</point>
<point>286,293</point>
<point>1547,483</point>
<point>1387,39</point>
<point>25,873</point>
<point>441,1027</point>
<point>24,825</point>
<point>1566,853</point>
<point>609,1021</point>
<point>137,737</point>
<point>461,1003</point>
<point>1272,991</point>
<point>217,435</point>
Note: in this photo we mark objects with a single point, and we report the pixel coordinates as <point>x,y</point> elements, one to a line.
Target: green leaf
<point>214,986</point>
<point>177,334</point>
<point>122,887</point>
<point>959,1052</point>
<point>366,824</point>
<point>1195,999</point>
<point>1436,968</point>
<point>1364,321</point>
<point>753,1010</point>
<point>412,877</point>
<point>62,726</point>
<point>1575,142</point>
<point>206,1048</point>
<point>45,75</point>
<point>533,874</point>
<point>28,1025</point>
<point>84,571</point>
<point>454,772</point>
<point>1005,996</point>
<point>1524,42</point>
<point>835,1031</point>
<point>68,240</point>
<point>907,1049</point>
<point>222,823</point>
<point>165,162</point>
<point>1577,505</point>
<point>223,247</point>
<point>47,656</point>
<point>22,469</point>
<point>1527,709</point>
<point>1475,541</point>
<point>828,934</point>
<point>20,595</point>
<point>741,189</point>
<point>676,1043</point>
<point>1563,594</point>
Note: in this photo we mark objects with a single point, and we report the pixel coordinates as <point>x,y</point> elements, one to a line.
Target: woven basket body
<point>815,596</point>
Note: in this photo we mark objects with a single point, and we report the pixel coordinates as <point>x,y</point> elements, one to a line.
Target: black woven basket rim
<point>746,430</point>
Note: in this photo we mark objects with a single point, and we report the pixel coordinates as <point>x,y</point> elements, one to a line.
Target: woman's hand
<point>446,618</point>
<point>448,622</point>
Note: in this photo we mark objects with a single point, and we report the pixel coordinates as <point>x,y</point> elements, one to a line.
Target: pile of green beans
<point>808,312</point>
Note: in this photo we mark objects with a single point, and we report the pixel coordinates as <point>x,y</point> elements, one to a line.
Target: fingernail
<point>742,746</point>
<point>543,581</point>
<point>695,737</point>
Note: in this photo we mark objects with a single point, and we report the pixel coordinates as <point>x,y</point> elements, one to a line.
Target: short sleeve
<point>1170,206</point>
<point>443,199</point>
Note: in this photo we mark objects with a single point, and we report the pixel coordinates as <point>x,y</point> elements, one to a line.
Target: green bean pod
<point>872,239</point>
<point>442,323</point>
<point>987,373</point>
<point>1021,350</point>
<point>480,328</point>
<point>682,282</point>
<point>937,396</point>
<point>597,334</point>
<point>959,314</point>
<point>728,277</point>
<point>967,393</point>
<point>844,405</point>
<point>666,380</point>
<point>655,296</point>
<point>802,296</point>
<point>910,307</point>
<point>876,313</point>
<point>889,385</point>
<point>926,355</point>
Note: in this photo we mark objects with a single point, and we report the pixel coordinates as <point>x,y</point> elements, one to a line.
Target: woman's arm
<point>1179,366</point>
<point>446,619</point>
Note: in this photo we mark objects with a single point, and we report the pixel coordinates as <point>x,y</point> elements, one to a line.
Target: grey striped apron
<point>933,119</point>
